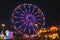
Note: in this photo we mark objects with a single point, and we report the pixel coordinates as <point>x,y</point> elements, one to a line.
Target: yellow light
<point>48,30</point>
<point>45,31</point>
<point>18,6</point>
<point>53,28</point>
<point>32,35</point>
<point>59,28</point>
<point>40,31</point>
<point>50,36</point>
<point>7,31</point>
<point>36,25</point>
<point>53,36</point>
<point>44,28</point>
<point>14,32</point>
<point>38,12</point>
<point>2,36</point>
<point>3,25</point>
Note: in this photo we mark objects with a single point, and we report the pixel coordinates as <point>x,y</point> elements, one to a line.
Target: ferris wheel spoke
<point>43,23</point>
<point>35,31</point>
<point>12,14</point>
<point>12,20</point>
<point>22,14</point>
<point>44,18</point>
<point>22,20</point>
<point>35,13</point>
<point>17,12</point>
<point>38,16</point>
<point>20,9</point>
<point>34,9</point>
<point>33,28</point>
<point>39,10</point>
<point>15,17</point>
<point>39,23</point>
<point>24,4</point>
<point>29,30</point>
<point>24,29</point>
<point>24,23</point>
<point>25,9</point>
<point>30,24</point>
<point>17,22</point>
<point>15,27</point>
<point>30,4</point>
<point>21,17</point>
<point>20,27</point>
<point>39,19</point>
<point>29,8</point>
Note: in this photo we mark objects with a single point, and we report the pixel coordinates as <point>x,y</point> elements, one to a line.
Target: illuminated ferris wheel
<point>28,19</point>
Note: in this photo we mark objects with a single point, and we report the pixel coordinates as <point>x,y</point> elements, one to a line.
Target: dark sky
<point>50,9</point>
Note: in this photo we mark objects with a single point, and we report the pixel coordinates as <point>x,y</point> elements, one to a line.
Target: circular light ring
<point>28,19</point>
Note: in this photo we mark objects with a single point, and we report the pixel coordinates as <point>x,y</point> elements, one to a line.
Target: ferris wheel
<point>28,19</point>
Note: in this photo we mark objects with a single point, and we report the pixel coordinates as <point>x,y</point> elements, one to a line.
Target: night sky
<point>50,9</point>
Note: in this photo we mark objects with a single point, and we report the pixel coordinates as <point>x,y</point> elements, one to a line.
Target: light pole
<point>3,25</point>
